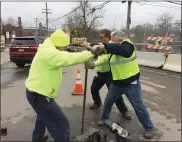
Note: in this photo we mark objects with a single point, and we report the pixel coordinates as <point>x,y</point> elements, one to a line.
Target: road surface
<point>161,94</point>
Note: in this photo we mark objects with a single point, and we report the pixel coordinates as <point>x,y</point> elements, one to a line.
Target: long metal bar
<point>84,101</point>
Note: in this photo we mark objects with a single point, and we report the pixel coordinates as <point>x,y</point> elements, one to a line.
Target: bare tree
<point>138,32</point>
<point>177,29</point>
<point>177,24</point>
<point>85,19</point>
<point>64,27</point>
<point>10,20</point>
<point>165,23</point>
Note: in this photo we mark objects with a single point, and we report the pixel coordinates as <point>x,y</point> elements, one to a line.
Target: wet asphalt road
<point>161,95</point>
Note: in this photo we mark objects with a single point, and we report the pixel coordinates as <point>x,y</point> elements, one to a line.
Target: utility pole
<point>144,33</point>
<point>36,21</point>
<point>114,22</point>
<point>47,11</point>
<point>166,28</point>
<point>128,19</point>
<point>121,25</point>
<point>166,25</point>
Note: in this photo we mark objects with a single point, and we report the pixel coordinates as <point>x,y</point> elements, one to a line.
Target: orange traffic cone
<point>78,86</point>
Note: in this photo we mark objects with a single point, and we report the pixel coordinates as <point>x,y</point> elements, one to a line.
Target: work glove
<point>90,64</point>
<point>98,50</point>
<point>85,44</point>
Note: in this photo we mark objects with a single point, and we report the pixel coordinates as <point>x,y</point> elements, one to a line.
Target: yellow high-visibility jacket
<point>45,75</point>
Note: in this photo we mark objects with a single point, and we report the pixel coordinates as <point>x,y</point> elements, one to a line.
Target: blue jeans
<point>98,82</point>
<point>134,95</point>
<point>49,115</point>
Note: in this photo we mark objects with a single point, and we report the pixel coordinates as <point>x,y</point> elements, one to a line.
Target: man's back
<point>44,78</point>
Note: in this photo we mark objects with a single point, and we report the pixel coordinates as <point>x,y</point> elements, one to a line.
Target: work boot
<point>126,116</point>
<point>148,134</point>
<point>94,106</point>
<point>101,122</point>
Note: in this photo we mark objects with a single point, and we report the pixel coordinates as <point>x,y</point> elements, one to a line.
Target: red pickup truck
<point>23,49</point>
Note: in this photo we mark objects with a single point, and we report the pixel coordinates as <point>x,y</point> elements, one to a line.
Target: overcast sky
<point>114,11</point>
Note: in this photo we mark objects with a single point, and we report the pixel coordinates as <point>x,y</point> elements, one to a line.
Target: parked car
<point>23,49</point>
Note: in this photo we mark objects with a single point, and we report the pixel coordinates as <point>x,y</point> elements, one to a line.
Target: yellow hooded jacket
<point>45,75</point>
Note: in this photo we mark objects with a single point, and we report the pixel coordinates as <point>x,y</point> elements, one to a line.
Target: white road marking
<point>149,89</point>
<point>162,73</point>
<point>144,77</point>
<point>154,84</point>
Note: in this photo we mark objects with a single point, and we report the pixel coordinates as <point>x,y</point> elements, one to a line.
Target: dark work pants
<point>134,95</point>
<point>98,82</point>
<point>49,115</point>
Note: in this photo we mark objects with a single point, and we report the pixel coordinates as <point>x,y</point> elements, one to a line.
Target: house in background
<point>8,30</point>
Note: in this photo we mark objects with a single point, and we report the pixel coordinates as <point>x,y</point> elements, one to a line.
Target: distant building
<point>23,31</point>
<point>8,30</point>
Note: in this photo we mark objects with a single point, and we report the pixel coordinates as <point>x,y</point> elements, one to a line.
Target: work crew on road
<point>43,83</point>
<point>103,76</point>
<point>125,75</point>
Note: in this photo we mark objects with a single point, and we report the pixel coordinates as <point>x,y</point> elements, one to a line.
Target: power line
<point>174,2</point>
<point>100,6</point>
<point>143,3</point>
<point>68,13</point>
<point>36,21</point>
<point>140,3</point>
<point>168,5</point>
<point>160,5</point>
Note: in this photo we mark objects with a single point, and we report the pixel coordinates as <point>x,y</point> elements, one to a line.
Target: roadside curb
<point>5,62</point>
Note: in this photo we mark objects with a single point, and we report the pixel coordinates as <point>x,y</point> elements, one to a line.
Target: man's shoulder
<point>46,53</point>
<point>126,41</point>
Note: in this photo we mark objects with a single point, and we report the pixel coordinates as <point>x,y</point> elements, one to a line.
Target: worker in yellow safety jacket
<point>103,76</point>
<point>125,80</point>
<point>43,83</point>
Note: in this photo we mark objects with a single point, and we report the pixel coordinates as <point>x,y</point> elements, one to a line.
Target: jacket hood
<point>60,38</point>
<point>47,44</point>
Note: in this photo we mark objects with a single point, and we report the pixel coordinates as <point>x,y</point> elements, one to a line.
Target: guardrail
<point>171,62</point>
<point>151,59</point>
